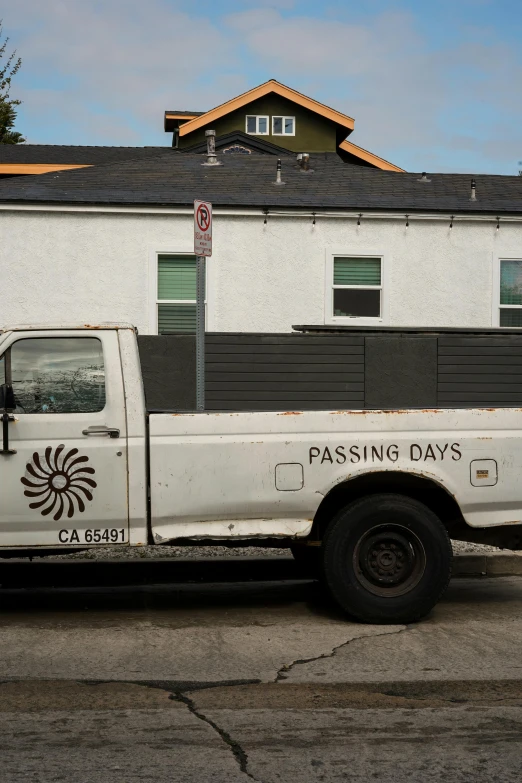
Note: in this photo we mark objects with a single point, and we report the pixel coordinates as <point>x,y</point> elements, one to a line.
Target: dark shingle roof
<point>70,153</point>
<point>173,179</point>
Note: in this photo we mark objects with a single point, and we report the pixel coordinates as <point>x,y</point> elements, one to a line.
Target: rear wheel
<point>386,559</point>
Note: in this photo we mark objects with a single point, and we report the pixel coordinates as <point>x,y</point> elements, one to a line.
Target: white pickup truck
<point>373,496</point>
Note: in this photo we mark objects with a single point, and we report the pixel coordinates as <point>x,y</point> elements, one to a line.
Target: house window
<point>257,124</point>
<point>176,300</point>
<point>355,288</point>
<point>283,126</point>
<point>510,313</point>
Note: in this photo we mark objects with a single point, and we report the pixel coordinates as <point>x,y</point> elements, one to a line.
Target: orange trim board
<point>259,92</point>
<point>172,116</point>
<point>369,157</point>
<point>39,168</point>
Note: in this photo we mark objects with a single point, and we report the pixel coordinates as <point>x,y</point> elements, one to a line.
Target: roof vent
<point>424,177</point>
<point>304,163</point>
<point>211,149</point>
<point>278,180</point>
<point>473,196</point>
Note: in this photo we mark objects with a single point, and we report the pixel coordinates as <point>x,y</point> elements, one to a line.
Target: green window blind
<point>175,318</point>
<point>177,277</point>
<point>511,283</point>
<point>357,271</point>
<point>176,281</point>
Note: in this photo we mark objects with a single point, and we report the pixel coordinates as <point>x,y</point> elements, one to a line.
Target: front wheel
<point>386,559</point>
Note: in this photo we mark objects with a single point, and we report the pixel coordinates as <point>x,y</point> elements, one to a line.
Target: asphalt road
<point>259,680</point>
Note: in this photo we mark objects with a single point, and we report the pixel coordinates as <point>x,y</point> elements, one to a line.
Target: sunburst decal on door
<point>60,482</point>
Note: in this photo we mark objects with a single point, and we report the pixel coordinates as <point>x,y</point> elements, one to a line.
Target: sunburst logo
<point>60,481</point>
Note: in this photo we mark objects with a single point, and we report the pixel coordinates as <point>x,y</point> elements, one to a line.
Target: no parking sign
<point>202,248</point>
<point>202,228</point>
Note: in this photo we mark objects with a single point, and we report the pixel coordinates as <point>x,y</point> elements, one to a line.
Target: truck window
<point>58,375</point>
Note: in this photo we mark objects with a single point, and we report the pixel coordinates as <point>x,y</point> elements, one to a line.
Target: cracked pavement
<point>267,682</point>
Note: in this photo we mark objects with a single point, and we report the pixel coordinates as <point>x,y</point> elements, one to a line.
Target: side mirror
<point>7,398</point>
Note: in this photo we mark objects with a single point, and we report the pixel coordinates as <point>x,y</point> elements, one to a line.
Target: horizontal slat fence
<point>479,371</point>
<point>335,371</point>
<point>273,372</point>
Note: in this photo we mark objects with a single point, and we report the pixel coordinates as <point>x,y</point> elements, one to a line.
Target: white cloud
<point>402,93</point>
<point>123,58</point>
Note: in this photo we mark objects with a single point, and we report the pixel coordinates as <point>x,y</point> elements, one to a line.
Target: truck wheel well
<point>433,495</point>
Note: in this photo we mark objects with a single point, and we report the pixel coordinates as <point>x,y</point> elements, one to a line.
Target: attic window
<point>257,124</point>
<point>283,126</point>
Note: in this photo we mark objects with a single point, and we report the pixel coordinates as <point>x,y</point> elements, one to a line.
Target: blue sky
<point>432,85</point>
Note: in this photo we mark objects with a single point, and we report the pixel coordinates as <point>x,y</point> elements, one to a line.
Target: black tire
<point>386,559</point>
<point>308,558</point>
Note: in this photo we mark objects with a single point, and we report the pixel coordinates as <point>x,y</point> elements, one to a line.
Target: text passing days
<point>414,452</point>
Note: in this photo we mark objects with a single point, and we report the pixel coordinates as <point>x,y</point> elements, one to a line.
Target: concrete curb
<point>492,564</point>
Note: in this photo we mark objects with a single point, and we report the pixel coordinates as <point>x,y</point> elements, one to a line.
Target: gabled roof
<point>174,179</point>
<point>200,120</point>
<point>258,92</point>
<point>369,157</point>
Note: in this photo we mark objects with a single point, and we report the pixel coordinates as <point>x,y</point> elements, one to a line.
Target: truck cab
<point>64,472</point>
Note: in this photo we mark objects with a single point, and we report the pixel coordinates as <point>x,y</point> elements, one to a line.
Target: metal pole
<point>200,333</point>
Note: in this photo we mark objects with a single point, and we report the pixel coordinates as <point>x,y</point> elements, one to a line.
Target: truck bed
<point>264,474</point>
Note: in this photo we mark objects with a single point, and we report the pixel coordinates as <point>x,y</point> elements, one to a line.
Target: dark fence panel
<point>400,371</point>
<point>278,371</point>
<point>480,371</point>
<point>255,371</point>
<point>168,366</point>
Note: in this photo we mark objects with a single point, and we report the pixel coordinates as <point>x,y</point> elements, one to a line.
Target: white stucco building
<point>340,244</point>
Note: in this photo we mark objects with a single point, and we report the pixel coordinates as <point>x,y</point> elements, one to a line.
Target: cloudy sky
<point>432,84</point>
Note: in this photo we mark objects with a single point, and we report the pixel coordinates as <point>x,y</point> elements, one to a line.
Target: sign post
<point>202,249</point>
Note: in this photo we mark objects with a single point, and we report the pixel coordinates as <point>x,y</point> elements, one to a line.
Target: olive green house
<point>271,118</point>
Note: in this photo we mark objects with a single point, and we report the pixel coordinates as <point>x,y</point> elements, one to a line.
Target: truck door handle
<point>112,432</point>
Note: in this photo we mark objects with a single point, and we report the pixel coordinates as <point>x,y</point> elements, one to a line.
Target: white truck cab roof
<point>64,326</point>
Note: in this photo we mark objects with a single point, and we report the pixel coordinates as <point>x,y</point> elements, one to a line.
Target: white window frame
<point>281,116</point>
<point>257,131</point>
<point>154,300</point>
<point>497,307</point>
<point>329,317</point>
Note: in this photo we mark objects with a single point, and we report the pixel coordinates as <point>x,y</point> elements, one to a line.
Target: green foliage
<point>9,66</point>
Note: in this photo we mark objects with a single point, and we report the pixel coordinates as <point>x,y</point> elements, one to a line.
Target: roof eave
<point>39,168</point>
<point>368,157</point>
<point>395,211</point>
<point>174,119</point>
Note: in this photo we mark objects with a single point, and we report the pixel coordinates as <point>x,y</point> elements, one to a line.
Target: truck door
<point>63,480</point>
